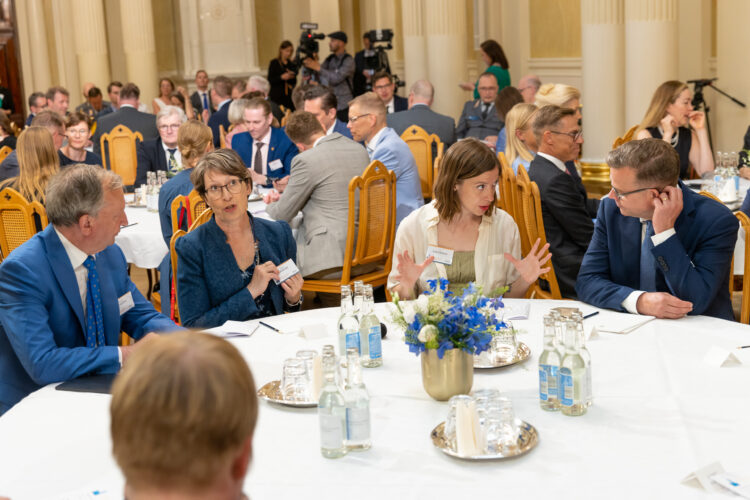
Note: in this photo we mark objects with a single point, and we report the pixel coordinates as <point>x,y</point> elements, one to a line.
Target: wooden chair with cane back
<point>745,302</point>
<point>629,136</point>
<point>370,232</point>
<point>186,209</point>
<point>507,200</point>
<point>121,156</point>
<point>420,143</point>
<point>204,217</point>
<point>4,152</point>
<point>18,220</point>
<point>518,214</point>
<point>731,269</point>
<point>531,205</point>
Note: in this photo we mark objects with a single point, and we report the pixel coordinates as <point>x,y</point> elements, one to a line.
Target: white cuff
<point>660,238</point>
<point>119,356</point>
<point>631,301</point>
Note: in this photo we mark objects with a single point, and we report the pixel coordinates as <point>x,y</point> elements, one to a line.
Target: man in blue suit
<point>265,150</point>
<point>367,117</point>
<point>221,98</point>
<point>658,248</point>
<point>66,294</point>
<point>321,101</point>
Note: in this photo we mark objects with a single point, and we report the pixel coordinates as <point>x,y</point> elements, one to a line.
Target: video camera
<point>308,46</point>
<point>376,59</point>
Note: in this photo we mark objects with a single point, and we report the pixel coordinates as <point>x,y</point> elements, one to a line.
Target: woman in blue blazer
<point>227,266</point>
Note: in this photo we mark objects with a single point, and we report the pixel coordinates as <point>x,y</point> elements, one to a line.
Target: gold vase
<point>446,377</point>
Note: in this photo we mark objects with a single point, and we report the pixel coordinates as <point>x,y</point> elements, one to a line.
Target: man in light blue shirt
<point>367,122</point>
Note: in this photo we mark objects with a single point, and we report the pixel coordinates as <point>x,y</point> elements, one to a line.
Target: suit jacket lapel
<point>63,271</point>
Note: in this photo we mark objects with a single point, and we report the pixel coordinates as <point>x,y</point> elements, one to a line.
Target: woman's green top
<point>460,272</point>
<point>502,76</point>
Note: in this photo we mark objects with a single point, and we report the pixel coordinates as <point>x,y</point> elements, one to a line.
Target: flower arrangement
<point>440,320</point>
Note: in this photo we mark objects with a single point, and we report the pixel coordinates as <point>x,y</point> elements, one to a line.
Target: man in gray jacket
<point>319,187</point>
<point>419,113</point>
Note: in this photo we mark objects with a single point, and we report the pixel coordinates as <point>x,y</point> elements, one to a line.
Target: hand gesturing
<point>530,268</point>
<point>408,270</point>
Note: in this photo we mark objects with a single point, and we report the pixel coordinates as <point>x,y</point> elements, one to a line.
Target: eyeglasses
<point>353,119</point>
<point>573,135</point>
<point>172,126</point>
<point>233,187</point>
<point>82,131</point>
<point>381,87</point>
<point>620,195</point>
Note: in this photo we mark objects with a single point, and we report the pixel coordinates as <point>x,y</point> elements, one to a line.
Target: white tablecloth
<point>142,243</point>
<point>659,413</point>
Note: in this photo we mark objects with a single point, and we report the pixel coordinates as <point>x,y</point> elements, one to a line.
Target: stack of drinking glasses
<point>302,377</point>
<point>725,183</point>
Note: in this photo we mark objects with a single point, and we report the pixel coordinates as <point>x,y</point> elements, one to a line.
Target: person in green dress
<point>493,56</point>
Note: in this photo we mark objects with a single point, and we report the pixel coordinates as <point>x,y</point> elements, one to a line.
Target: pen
<point>133,224</point>
<point>271,327</point>
<point>592,314</point>
<point>744,347</point>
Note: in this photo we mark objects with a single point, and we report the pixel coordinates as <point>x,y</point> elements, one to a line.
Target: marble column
<point>651,55</point>
<point>40,61</point>
<point>445,27</point>
<point>415,43</point>
<point>91,42</point>
<point>139,47</point>
<point>729,121</point>
<point>603,92</point>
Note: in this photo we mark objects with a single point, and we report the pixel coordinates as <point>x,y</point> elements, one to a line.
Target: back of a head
<point>130,91</point>
<point>327,97</point>
<point>37,162</point>
<point>236,111</point>
<point>257,82</point>
<point>519,117</point>
<point>549,118</point>
<point>182,409</point>
<point>655,161</point>
<point>193,139</point>
<point>666,94</point>
<point>78,190</point>
<point>302,126</point>
<point>223,86</point>
<point>369,102</point>
<point>298,95</point>
<point>506,99</point>
<point>423,91</point>
<point>465,159</point>
<point>556,94</point>
<point>48,119</point>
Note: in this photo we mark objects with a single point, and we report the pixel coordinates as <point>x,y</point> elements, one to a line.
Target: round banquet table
<point>659,414</point>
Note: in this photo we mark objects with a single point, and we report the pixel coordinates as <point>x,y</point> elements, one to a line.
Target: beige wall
<point>555,26</point>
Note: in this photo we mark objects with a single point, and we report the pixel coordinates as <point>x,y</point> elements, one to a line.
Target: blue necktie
<point>94,319</point>
<point>648,263</point>
<point>205,100</point>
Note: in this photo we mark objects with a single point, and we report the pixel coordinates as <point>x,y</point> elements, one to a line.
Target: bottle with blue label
<point>572,375</point>
<point>348,324</point>
<point>357,405</point>
<point>369,332</point>
<point>549,369</point>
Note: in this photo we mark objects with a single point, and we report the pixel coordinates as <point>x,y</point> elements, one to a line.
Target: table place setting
<point>300,383</point>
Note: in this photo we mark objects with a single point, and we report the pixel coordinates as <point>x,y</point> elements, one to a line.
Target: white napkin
<point>623,324</point>
<point>516,311</point>
<point>469,439</point>
<point>701,478</point>
<point>718,356</point>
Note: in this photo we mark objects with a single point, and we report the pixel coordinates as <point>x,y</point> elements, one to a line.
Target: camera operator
<point>337,71</point>
<point>362,68</point>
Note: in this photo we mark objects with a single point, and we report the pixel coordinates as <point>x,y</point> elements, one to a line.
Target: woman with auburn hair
<point>283,76</point>
<point>37,163</point>
<point>78,132</point>
<point>521,145</point>
<point>166,87</point>
<point>671,117</point>
<point>559,94</point>
<point>493,56</point>
<point>483,240</point>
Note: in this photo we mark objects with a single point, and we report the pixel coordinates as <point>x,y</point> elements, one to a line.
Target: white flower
<point>409,312</point>
<point>427,333</point>
<point>422,303</point>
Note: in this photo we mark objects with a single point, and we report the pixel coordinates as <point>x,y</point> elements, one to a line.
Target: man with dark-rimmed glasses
<point>658,248</point>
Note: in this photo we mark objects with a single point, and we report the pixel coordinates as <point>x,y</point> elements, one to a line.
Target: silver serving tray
<point>271,392</point>
<point>528,438</point>
<point>522,354</point>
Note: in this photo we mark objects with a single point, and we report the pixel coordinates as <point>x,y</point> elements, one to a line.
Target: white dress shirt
<point>266,140</point>
<point>177,155</point>
<point>559,164</point>
<point>390,107</point>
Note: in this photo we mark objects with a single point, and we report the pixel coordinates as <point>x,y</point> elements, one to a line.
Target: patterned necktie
<point>258,163</point>
<point>205,100</point>
<point>485,109</point>
<point>173,167</point>
<point>94,319</point>
<point>648,264</point>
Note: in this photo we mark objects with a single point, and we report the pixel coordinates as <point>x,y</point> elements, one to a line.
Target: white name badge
<point>442,255</point>
<point>286,270</point>
<point>126,303</point>
<point>275,165</point>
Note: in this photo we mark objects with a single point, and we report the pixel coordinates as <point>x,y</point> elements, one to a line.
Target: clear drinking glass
<point>450,422</point>
<point>308,356</point>
<point>295,384</point>
<point>502,426</point>
<point>503,344</point>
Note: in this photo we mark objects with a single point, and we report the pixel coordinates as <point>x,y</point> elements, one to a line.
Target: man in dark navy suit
<point>658,248</point>
<point>161,153</point>
<point>385,87</point>
<point>321,101</point>
<point>127,115</point>
<point>221,97</point>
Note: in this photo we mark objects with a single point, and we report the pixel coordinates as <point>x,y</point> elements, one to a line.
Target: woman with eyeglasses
<point>78,132</point>
<point>226,267</point>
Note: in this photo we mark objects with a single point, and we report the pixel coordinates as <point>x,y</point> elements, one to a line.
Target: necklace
<point>675,137</point>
